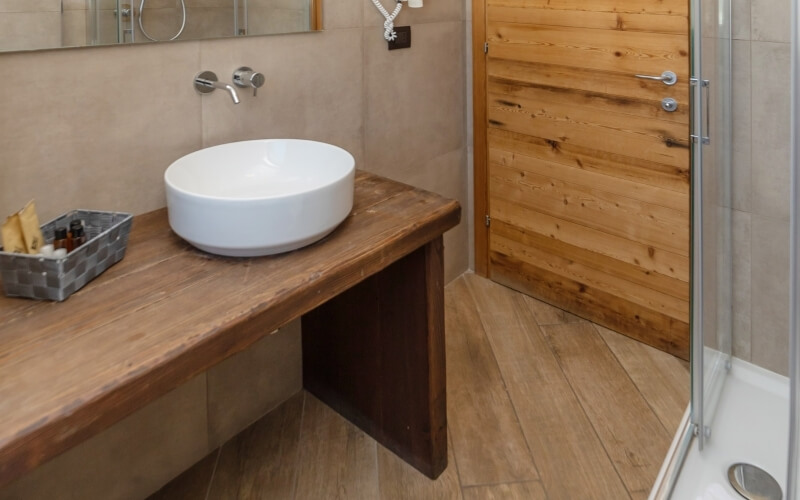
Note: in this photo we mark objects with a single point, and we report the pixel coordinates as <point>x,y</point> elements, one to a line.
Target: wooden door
<point>585,176</point>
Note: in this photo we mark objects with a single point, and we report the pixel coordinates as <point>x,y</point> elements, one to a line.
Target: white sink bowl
<point>252,198</point>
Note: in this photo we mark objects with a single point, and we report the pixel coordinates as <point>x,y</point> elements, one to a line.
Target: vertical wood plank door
<point>587,175</point>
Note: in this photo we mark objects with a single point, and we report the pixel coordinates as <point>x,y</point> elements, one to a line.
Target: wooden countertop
<point>167,312</point>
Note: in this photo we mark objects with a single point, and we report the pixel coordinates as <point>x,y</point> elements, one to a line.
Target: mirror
<point>48,24</point>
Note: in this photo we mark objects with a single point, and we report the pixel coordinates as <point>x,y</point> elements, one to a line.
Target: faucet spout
<point>207,81</point>
<point>230,89</point>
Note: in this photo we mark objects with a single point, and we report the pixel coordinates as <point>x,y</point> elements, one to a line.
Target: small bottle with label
<point>76,234</point>
<point>60,240</point>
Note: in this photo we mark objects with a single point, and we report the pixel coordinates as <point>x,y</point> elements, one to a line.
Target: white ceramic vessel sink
<point>252,198</point>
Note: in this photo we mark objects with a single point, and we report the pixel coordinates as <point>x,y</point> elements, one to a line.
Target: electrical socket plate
<point>403,40</point>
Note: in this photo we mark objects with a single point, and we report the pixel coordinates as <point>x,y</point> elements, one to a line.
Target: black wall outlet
<point>403,40</point>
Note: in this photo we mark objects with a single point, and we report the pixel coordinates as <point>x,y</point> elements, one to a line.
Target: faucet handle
<point>246,77</point>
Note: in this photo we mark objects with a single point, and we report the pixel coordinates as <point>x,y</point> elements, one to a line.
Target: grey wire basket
<point>38,277</point>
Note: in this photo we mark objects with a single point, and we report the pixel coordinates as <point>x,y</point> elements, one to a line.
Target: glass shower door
<point>711,327</point>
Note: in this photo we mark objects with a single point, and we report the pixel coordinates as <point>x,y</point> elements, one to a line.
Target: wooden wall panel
<point>654,140</point>
<point>613,85</point>
<point>678,8</point>
<point>589,19</point>
<point>674,179</point>
<point>626,51</point>
<point>587,175</point>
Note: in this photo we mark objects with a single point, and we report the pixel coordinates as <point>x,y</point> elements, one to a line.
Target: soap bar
<point>12,235</point>
<point>31,232</point>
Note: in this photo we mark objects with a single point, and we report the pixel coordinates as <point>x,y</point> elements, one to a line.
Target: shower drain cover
<point>753,482</point>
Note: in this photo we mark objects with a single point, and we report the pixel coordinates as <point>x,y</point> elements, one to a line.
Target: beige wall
<point>761,181</point>
<point>97,127</point>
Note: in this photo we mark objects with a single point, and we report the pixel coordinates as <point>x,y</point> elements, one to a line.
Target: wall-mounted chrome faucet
<point>245,77</point>
<point>207,81</point>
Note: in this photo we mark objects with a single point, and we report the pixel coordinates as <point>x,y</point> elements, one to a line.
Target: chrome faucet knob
<point>246,77</point>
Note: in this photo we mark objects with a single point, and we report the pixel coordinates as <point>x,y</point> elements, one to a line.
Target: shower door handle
<point>667,77</point>
<point>704,134</point>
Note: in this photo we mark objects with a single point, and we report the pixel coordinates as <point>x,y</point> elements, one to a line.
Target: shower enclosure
<point>739,411</point>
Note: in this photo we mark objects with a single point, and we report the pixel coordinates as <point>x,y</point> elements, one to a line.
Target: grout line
<point>364,93</point>
<point>450,441</point>
<point>627,374</point>
<point>213,473</point>
<point>528,333</point>
<point>588,418</point>
<point>524,327</point>
<point>503,378</point>
<point>452,447</point>
<point>299,445</point>
<point>500,483</point>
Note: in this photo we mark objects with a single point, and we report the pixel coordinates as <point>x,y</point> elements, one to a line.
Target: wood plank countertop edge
<point>28,446</point>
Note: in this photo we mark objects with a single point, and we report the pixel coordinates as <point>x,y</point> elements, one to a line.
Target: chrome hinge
<point>487,221</point>
<point>486,48</point>
<point>696,430</point>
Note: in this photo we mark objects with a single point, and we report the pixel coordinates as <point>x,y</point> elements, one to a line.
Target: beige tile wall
<point>761,181</point>
<point>97,127</point>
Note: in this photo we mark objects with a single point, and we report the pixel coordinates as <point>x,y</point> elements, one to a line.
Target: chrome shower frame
<point>792,488</point>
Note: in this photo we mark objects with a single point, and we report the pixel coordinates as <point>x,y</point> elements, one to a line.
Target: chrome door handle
<point>668,77</point>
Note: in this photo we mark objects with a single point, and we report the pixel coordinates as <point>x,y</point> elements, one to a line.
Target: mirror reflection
<point>47,24</point>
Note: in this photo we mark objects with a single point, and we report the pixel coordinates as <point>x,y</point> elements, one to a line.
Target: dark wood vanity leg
<point>376,354</point>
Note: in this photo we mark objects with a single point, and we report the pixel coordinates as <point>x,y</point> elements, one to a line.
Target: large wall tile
<point>342,14</point>
<point>313,89</point>
<point>131,459</point>
<point>770,128</point>
<point>741,19</point>
<point>742,284</point>
<point>470,134</point>
<point>95,128</point>
<point>446,175</point>
<point>770,20</point>
<point>770,297</point>
<point>742,118</point>
<point>415,99</point>
<point>246,386</point>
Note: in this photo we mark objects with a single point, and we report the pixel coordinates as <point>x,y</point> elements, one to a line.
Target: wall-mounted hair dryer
<point>388,26</point>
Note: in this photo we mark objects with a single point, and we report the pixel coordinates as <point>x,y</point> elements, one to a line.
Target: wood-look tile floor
<point>541,405</point>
